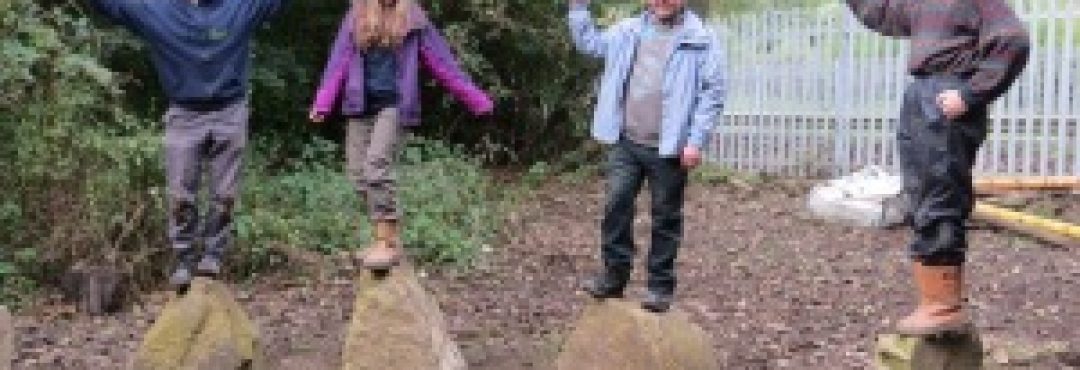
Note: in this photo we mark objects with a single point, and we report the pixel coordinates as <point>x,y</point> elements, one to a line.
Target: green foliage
<point>451,209</point>
<point>78,168</point>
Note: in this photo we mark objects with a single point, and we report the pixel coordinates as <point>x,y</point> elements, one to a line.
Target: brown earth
<point>772,287</point>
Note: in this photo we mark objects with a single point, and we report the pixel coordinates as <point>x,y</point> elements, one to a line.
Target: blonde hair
<point>377,25</point>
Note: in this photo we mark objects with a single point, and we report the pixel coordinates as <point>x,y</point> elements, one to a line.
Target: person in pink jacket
<point>374,72</point>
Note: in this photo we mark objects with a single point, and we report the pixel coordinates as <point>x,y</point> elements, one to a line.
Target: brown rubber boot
<point>385,252</point>
<point>940,307</point>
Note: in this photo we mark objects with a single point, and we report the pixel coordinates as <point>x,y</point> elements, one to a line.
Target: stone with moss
<point>396,324</point>
<point>959,351</point>
<point>203,329</point>
<point>616,334</point>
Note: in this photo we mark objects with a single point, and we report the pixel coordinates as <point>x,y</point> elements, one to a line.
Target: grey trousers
<point>193,140</point>
<point>371,145</point>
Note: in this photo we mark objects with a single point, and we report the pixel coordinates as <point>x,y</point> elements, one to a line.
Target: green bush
<point>78,170</point>
<point>451,209</point>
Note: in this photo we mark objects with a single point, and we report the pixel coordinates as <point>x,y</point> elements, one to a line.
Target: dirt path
<point>775,290</point>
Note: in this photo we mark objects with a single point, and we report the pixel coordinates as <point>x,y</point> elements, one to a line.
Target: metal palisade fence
<point>811,92</point>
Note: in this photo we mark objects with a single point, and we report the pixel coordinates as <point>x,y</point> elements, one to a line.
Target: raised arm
<point>337,69</point>
<point>1004,46</point>
<point>888,17</point>
<point>439,59</point>
<point>587,38</point>
<point>712,87</point>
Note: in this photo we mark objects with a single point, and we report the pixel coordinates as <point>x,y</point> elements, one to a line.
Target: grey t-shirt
<point>645,88</point>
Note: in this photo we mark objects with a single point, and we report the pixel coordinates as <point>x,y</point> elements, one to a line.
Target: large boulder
<point>962,351</point>
<point>7,339</point>
<point>204,329</point>
<point>616,334</point>
<point>397,325</point>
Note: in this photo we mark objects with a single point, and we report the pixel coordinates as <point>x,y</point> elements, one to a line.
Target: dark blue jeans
<point>629,166</point>
<point>937,155</point>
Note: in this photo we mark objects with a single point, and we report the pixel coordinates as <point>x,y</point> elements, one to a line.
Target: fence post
<point>842,83</point>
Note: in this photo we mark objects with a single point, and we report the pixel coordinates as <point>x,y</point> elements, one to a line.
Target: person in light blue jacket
<point>661,92</point>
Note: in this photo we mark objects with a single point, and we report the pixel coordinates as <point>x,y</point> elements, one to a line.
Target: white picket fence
<point>814,93</point>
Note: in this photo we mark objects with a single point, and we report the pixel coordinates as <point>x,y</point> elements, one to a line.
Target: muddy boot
<point>386,252</point>
<point>183,272</point>
<point>608,284</point>
<point>940,307</point>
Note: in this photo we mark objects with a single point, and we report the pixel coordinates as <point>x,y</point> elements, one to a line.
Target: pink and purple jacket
<point>423,46</point>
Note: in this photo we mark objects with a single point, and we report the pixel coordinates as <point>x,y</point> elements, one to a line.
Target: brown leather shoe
<point>385,252</point>
<point>940,307</point>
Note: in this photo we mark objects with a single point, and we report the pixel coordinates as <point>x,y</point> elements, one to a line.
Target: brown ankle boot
<point>385,252</point>
<point>940,307</point>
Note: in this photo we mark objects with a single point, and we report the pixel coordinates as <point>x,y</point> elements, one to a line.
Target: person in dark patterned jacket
<point>964,55</point>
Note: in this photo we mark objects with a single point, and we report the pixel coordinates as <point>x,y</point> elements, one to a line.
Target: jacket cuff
<point>971,99</point>
<point>696,139</point>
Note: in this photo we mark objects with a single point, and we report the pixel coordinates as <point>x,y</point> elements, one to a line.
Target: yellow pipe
<point>1029,223</point>
<point>1028,182</point>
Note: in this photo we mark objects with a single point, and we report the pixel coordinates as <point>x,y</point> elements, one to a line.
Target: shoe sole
<point>600,294</point>
<point>381,265</point>
<point>207,273</point>
<point>958,329</point>
<point>601,297</point>
<point>656,308</point>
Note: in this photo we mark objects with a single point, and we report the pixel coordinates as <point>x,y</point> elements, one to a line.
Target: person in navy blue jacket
<point>201,51</point>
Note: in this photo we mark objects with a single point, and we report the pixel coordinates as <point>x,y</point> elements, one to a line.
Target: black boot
<point>609,284</point>
<point>184,269</point>
<point>210,265</point>
<point>657,302</point>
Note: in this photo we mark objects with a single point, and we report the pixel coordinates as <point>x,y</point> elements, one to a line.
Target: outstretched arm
<point>439,59</point>
<point>336,71</point>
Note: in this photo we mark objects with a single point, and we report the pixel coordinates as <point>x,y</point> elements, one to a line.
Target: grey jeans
<point>193,139</point>
<point>370,149</point>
